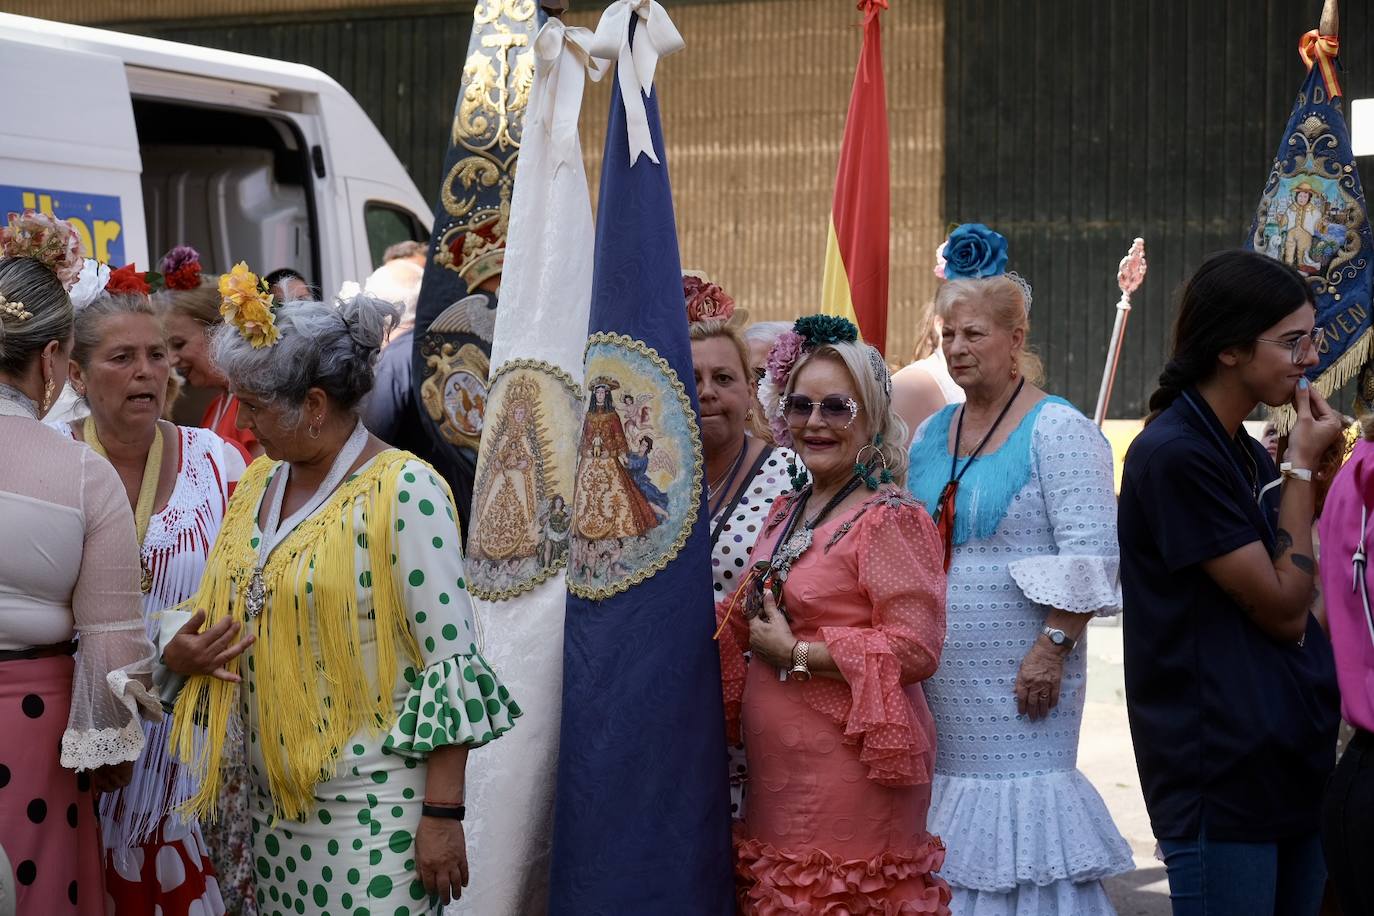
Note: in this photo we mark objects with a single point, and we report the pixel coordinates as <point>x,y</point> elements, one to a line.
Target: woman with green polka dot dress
<point>357,673</point>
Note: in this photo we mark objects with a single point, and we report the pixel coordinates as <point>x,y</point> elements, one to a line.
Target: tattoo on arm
<point>1304,564</point>
<point>1283,542</point>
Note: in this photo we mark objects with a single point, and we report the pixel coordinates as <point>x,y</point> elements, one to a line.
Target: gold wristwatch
<point>801,652</point>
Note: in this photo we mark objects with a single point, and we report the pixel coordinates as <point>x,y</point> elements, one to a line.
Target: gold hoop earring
<point>865,471</point>
<point>314,430</point>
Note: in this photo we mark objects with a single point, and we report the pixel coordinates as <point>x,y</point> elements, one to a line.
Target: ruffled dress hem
<point>776,882</point>
<point>457,700</point>
<point>1040,829</point>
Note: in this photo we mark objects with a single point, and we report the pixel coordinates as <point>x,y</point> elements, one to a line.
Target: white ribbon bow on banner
<point>563,62</point>
<point>655,37</point>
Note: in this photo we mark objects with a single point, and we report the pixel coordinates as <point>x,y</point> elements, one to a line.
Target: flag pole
<point>1129,275</point>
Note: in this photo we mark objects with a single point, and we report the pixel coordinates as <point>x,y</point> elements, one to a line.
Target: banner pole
<point>1129,275</point>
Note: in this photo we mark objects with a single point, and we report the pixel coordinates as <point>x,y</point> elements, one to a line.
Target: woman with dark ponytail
<point>1230,683</point>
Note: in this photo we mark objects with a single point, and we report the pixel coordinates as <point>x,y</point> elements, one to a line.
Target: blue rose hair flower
<point>973,251</point>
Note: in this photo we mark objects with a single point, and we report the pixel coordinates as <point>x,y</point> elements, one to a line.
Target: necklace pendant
<point>145,576</point>
<point>255,598</point>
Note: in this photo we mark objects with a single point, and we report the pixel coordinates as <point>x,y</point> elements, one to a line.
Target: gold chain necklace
<point>147,492</point>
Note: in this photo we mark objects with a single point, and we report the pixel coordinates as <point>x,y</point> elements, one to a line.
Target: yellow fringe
<point>312,688</point>
<point>1337,374</point>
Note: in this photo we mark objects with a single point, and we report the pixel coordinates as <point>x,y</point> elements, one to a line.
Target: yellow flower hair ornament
<point>247,304</point>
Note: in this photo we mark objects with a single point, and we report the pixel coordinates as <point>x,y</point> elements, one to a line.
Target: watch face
<point>799,674</point>
<point>1056,636</point>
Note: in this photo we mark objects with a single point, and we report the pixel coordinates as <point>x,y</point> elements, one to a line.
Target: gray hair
<point>875,397</point>
<point>91,317</point>
<point>31,283</point>
<point>766,331</point>
<point>330,347</point>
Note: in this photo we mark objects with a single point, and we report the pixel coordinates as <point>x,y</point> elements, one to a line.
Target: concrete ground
<point>1105,756</point>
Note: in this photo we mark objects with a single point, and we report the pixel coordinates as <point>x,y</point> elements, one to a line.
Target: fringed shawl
<point>990,485</point>
<point>313,690</point>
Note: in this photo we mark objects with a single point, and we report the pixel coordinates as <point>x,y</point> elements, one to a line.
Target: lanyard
<point>275,531</point>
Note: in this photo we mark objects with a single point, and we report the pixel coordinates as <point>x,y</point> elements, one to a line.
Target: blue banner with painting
<point>1312,216</point>
<point>641,821</point>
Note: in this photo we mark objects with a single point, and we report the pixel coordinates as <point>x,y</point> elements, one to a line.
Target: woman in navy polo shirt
<point>1230,683</point>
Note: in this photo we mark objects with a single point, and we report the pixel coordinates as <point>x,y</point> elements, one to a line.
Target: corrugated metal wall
<point>753,115</point>
<point>1074,126</point>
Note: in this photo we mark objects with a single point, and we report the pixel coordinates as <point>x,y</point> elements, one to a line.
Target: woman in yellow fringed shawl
<point>358,674</point>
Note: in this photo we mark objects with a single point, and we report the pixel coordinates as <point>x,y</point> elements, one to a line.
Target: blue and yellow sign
<point>96,217</point>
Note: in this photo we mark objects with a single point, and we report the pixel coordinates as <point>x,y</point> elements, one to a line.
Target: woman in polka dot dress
<point>745,472</point>
<point>362,684</point>
<point>155,859</point>
<point>840,744</point>
<point>69,569</point>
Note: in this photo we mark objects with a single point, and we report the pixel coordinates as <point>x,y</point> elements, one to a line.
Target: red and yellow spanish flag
<point>855,282</point>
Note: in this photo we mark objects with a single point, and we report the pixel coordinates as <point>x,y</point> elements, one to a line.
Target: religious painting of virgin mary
<point>631,513</point>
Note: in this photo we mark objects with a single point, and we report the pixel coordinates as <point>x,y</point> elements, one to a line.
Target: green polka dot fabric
<point>355,852</point>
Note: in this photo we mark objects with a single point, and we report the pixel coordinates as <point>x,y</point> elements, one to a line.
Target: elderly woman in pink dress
<point>844,612</point>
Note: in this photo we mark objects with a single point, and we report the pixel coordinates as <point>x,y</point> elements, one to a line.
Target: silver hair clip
<point>1021,281</point>
<point>881,375</point>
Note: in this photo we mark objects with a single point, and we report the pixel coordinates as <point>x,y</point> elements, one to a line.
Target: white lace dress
<point>1026,833</point>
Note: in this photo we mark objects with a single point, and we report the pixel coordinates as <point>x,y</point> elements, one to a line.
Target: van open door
<point>385,220</point>
<point>77,160</point>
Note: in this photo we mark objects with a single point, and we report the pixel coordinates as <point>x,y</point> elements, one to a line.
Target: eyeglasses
<point>1303,346</point>
<point>836,412</point>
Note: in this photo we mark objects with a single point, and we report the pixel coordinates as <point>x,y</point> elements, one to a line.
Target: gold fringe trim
<point>1337,374</point>
<point>312,689</point>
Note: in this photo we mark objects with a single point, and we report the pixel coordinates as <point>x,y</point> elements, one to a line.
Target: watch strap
<point>452,812</point>
<point>1064,639</point>
<point>1291,473</point>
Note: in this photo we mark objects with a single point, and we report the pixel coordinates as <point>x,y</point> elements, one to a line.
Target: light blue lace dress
<point>1035,528</point>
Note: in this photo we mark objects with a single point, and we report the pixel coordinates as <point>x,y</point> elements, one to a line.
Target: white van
<point>144,144</point>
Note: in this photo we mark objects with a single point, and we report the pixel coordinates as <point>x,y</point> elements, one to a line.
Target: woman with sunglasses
<point>1230,682</point>
<point>843,608</point>
<point>1021,486</point>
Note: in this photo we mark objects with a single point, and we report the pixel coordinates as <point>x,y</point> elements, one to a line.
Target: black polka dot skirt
<point>48,825</point>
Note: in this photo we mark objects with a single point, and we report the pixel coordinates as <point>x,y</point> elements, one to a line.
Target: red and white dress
<point>155,860</point>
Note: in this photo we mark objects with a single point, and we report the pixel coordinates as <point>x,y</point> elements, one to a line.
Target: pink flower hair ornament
<point>704,299</point>
<point>50,241</point>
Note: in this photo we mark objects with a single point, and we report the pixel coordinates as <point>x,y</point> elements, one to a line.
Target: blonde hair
<point>1005,302</point>
<point>709,328</point>
<point>875,399</point>
<point>200,304</point>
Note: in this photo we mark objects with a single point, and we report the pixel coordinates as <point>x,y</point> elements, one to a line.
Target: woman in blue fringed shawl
<point>1020,485</point>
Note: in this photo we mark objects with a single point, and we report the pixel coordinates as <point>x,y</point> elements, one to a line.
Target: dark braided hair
<point>1228,302</point>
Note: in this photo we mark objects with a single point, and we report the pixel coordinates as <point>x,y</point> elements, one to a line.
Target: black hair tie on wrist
<point>454,812</point>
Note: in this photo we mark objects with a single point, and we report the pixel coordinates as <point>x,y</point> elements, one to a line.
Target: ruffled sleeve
<point>1074,465</point>
<point>111,687</point>
<point>900,572</point>
<point>456,698</point>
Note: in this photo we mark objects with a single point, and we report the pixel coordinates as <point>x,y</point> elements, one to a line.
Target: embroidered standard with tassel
<point>314,691</point>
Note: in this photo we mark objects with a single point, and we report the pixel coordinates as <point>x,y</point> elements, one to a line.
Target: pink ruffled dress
<point>839,771</point>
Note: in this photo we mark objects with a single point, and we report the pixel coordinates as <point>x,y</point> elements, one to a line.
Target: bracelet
<point>452,812</point>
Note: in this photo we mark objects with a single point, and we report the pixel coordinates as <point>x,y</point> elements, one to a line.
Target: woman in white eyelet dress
<point>1027,833</point>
